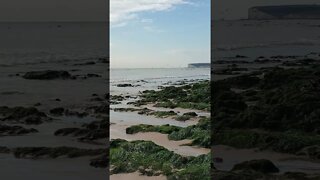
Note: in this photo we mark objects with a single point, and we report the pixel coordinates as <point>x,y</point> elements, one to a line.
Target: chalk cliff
<point>284,12</point>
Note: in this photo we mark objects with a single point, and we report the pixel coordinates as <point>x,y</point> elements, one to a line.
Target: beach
<point>50,79</point>
<point>260,76</point>
<point>123,115</point>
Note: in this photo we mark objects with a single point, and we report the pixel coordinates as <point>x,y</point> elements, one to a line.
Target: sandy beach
<point>120,121</point>
<point>37,101</point>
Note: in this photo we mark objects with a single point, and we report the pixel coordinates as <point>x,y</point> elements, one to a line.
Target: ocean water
<point>46,42</point>
<point>152,78</point>
<point>265,38</point>
<point>158,74</point>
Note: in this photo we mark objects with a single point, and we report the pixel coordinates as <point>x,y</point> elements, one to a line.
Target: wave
<point>18,59</point>
<point>200,76</point>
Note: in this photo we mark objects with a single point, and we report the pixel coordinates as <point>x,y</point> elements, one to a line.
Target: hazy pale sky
<point>159,33</point>
<point>53,10</point>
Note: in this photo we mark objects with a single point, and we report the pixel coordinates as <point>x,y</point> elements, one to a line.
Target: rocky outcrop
<point>23,115</point>
<point>6,130</point>
<point>261,165</point>
<point>47,75</point>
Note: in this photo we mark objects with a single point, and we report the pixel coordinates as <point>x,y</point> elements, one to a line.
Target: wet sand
<point>135,176</point>
<point>122,120</point>
<point>285,162</point>
<point>74,95</point>
<point>118,132</point>
<point>56,169</point>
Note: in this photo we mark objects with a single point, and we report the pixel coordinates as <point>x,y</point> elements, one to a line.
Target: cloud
<point>122,11</point>
<point>146,20</point>
<point>152,29</point>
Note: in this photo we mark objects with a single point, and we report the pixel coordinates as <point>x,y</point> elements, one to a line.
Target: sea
<point>152,78</point>
<point>267,38</point>
<point>24,43</point>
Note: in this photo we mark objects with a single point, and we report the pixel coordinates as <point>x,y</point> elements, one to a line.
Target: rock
<point>240,56</point>
<point>101,109</point>
<point>311,151</point>
<point>4,150</point>
<point>117,98</point>
<point>6,130</point>
<point>11,92</point>
<point>70,131</point>
<point>192,114</point>
<point>57,111</point>
<point>33,120</point>
<point>295,176</point>
<point>75,113</point>
<point>86,63</point>
<point>93,75</point>
<point>222,175</point>
<point>124,85</point>
<point>97,99</point>
<point>101,162</point>
<point>262,165</point>
<point>89,132</point>
<point>47,75</point>
<point>103,60</point>
<point>55,152</point>
<point>218,160</point>
<point>23,115</point>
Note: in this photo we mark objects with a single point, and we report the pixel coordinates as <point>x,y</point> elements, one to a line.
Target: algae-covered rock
<point>261,165</point>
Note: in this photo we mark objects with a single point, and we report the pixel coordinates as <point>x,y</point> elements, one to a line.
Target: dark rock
<point>124,85</point>
<point>295,176</point>
<point>89,132</point>
<point>4,150</point>
<point>103,60</point>
<point>86,63</point>
<point>47,75</point>
<point>311,151</point>
<point>101,162</point>
<point>23,115</point>
<point>240,56</point>
<point>222,175</point>
<point>192,114</point>
<point>93,75</point>
<point>57,111</point>
<point>117,97</point>
<point>101,109</point>
<point>70,131</point>
<point>55,152</point>
<point>262,165</point>
<point>6,130</point>
<point>75,113</point>
<point>97,99</point>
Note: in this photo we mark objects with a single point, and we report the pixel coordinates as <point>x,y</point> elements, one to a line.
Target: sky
<point>159,33</point>
<point>53,10</point>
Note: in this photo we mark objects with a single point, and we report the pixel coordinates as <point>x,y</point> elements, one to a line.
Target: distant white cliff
<point>284,12</point>
<point>199,65</point>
